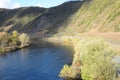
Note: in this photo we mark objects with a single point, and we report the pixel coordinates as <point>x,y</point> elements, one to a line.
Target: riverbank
<point>74,70</point>
<point>13,41</point>
<point>73,43</point>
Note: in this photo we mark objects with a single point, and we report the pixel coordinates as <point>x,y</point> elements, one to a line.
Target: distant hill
<point>69,17</point>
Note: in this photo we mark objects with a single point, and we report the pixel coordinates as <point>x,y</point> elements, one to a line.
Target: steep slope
<point>53,18</point>
<point>35,19</point>
<point>79,17</point>
<point>95,16</point>
<point>11,19</point>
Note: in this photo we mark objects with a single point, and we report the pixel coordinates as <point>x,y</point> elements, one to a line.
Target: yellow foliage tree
<point>24,39</point>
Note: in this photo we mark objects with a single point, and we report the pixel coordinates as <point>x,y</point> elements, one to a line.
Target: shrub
<point>96,56</point>
<point>67,73</point>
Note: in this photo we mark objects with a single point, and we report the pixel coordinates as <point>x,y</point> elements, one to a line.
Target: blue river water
<point>34,63</point>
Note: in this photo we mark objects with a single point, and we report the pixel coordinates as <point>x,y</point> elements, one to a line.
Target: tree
<point>24,39</point>
<point>14,36</point>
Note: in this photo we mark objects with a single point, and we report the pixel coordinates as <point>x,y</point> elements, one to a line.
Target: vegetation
<point>13,41</point>
<point>67,73</point>
<point>95,16</point>
<point>96,56</point>
<point>14,36</point>
<point>24,39</point>
<point>92,61</point>
<point>93,57</point>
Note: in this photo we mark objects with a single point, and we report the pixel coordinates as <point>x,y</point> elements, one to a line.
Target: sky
<point>22,3</point>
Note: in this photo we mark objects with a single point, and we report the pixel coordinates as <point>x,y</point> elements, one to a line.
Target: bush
<point>96,56</point>
<point>67,73</point>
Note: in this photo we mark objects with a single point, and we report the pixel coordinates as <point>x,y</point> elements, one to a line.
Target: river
<point>34,63</point>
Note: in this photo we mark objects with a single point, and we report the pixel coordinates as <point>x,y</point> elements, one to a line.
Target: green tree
<point>14,36</point>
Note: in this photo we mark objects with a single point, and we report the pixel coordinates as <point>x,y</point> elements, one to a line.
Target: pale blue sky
<point>44,3</point>
<point>22,3</point>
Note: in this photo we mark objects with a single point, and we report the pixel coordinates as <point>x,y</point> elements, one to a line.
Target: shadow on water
<point>41,61</point>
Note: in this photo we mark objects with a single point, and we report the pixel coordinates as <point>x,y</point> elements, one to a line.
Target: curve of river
<point>34,64</point>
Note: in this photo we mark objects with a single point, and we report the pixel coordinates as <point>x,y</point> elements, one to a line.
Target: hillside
<point>69,17</point>
<point>35,19</point>
<point>15,19</point>
<point>53,18</point>
<point>96,16</point>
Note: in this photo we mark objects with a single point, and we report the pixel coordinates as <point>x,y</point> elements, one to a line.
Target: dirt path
<point>112,37</point>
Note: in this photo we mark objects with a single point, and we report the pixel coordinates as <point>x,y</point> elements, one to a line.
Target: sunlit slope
<point>95,16</point>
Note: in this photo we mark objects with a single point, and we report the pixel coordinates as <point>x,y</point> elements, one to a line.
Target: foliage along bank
<point>92,61</point>
<point>13,41</point>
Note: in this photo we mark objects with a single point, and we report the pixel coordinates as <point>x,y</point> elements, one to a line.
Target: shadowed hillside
<point>54,18</point>
<point>11,19</point>
<point>35,19</point>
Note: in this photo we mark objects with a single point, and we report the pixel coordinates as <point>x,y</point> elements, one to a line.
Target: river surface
<point>34,63</point>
